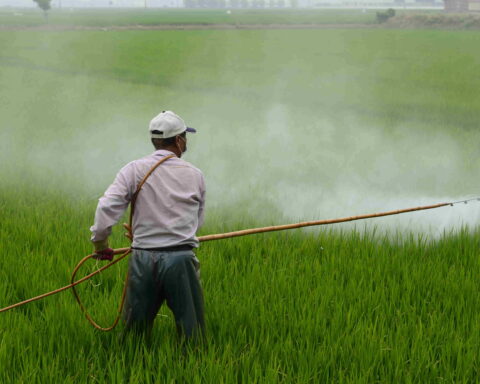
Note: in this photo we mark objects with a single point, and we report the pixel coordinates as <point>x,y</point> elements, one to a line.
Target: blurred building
<point>462,5</point>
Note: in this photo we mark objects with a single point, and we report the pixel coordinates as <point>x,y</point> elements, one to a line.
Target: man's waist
<point>159,241</point>
<point>173,248</point>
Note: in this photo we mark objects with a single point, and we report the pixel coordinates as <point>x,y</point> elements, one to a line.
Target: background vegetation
<point>292,125</point>
<point>150,17</point>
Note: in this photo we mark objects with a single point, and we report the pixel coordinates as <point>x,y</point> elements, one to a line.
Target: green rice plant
<point>329,306</point>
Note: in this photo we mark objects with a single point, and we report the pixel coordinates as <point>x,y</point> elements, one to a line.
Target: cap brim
<point>191,130</point>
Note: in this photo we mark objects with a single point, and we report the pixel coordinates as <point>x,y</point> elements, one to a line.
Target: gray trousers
<point>155,277</point>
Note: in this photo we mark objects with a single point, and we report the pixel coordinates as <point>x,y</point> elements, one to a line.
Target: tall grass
<point>327,306</point>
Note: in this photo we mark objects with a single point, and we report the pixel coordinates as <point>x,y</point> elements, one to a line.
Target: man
<point>169,209</point>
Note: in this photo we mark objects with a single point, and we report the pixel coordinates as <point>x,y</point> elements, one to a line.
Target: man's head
<point>168,131</point>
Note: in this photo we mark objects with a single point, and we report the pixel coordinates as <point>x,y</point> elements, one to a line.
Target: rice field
<point>292,125</point>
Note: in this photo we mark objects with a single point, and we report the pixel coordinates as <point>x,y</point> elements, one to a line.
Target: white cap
<point>167,124</point>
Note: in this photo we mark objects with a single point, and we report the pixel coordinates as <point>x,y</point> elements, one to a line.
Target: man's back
<point>169,208</point>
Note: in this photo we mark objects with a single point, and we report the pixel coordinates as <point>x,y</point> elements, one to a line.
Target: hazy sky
<point>88,3</point>
<point>77,3</point>
<point>150,3</point>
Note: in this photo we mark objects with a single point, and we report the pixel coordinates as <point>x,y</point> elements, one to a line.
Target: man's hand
<point>102,250</point>
<point>105,254</point>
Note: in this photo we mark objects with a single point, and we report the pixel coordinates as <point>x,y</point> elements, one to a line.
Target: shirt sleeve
<point>201,209</point>
<point>113,204</point>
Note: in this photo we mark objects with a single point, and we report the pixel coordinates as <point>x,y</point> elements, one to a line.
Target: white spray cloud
<point>337,169</point>
<point>275,161</point>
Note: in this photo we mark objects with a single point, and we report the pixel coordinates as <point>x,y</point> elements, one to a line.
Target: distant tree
<point>271,4</point>
<point>235,3</point>
<point>382,17</point>
<point>45,6</point>
<point>261,3</point>
<point>281,3</point>
<point>294,3</point>
<point>244,3</point>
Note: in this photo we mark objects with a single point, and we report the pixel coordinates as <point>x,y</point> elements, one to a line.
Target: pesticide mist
<point>285,134</point>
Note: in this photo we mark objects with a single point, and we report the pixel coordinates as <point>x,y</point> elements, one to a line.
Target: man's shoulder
<point>137,166</point>
<point>141,162</point>
<point>152,159</point>
<point>185,163</point>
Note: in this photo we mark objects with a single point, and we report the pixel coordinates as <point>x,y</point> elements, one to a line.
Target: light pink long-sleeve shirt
<point>169,208</point>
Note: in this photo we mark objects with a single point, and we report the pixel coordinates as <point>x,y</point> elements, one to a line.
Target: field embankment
<point>184,19</point>
<point>435,21</point>
<point>156,18</point>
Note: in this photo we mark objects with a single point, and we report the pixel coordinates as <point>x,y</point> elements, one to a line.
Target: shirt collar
<point>163,152</point>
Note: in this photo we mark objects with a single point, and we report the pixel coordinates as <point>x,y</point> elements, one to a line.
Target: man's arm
<point>111,207</point>
<point>201,209</point>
